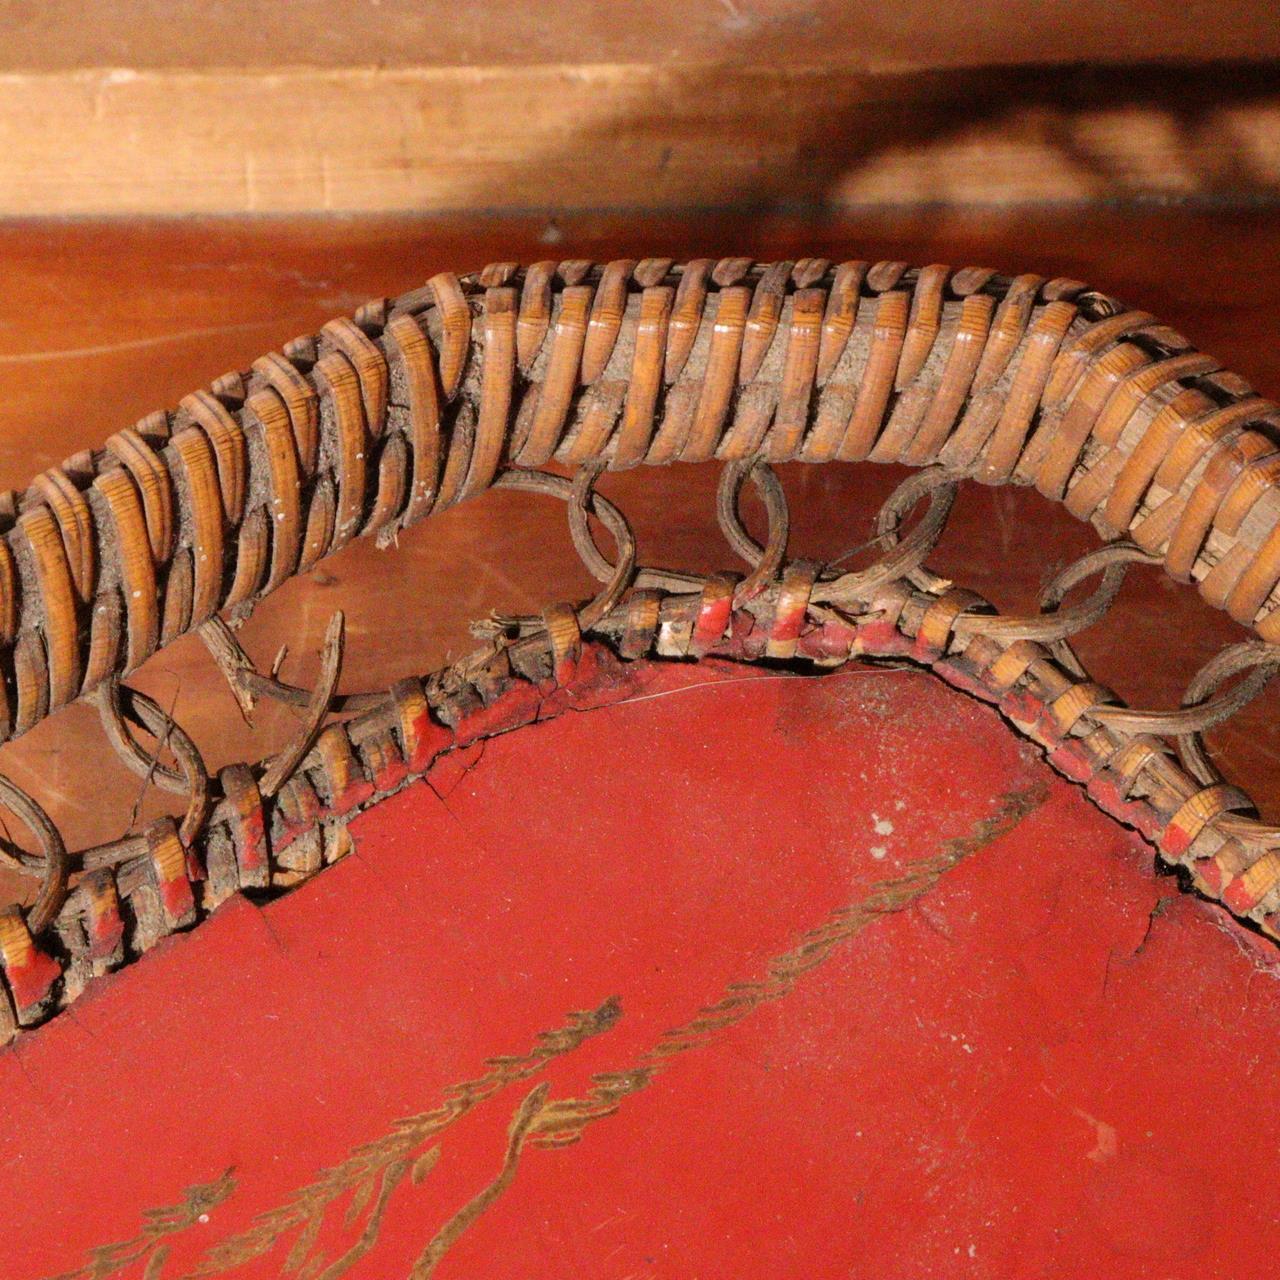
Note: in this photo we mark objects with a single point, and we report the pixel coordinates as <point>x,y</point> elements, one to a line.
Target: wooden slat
<point>165,141</point>
<point>67,34</point>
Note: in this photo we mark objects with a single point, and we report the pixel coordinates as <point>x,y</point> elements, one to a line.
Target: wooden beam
<point>860,35</point>
<point>627,136</point>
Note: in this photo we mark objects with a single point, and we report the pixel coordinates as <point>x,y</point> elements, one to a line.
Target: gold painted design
<point>375,1162</point>
<point>149,1245</point>
<point>550,1123</point>
<point>522,1123</point>
<point>370,1177</point>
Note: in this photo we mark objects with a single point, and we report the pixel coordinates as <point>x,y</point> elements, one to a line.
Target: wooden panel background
<point>63,35</point>
<point>135,107</point>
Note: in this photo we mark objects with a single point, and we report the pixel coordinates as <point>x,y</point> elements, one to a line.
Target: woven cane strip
<point>262,842</point>
<point>413,405</point>
<point>376,422</point>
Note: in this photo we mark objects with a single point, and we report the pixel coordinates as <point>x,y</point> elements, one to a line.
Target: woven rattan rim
<point>481,380</point>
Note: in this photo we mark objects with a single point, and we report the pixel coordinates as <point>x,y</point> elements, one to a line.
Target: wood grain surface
<point>246,106</point>
<point>62,35</point>
<point>633,135</point>
<point>101,322</point>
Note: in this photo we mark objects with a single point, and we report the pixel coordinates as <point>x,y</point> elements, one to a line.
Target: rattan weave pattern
<point>416,404</point>
<point>270,843</point>
<point>480,380</point>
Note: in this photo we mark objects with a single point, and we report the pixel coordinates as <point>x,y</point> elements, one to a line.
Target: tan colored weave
<point>415,404</point>
<point>480,381</point>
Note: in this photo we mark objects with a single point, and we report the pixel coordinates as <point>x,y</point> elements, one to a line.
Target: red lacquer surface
<point>1003,1047</point>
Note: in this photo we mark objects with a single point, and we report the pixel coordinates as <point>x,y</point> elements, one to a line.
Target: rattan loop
<point>109,699</point>
<point>622,572</point>
<point>118,703</point>
<point>766,562</point>
<point>1260,660</point>
<point>905,556</point>
<point>54,865</point>
<point>286,763</point>
<point>1190,720</point>
<point>1052,626</point>
<point>584,484</point>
